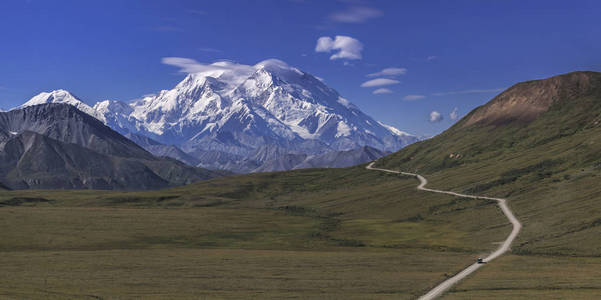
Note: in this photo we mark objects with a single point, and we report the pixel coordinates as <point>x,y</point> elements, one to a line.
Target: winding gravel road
<point>504,247</point>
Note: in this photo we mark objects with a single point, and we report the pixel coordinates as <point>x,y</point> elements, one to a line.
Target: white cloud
<point>454,114</point>
<point>228,70</point>
<point>379,82</point>
<point>389,72</point>
<point>413,97</point>
<point>345,47</point>
<point>355,14</point>
<point>431,57</point>
<point>474,91</point>
<point>435,117</point>
<point>382,91</point>
<point>188,65</point>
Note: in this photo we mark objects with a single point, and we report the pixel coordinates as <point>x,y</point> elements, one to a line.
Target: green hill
<point>539,145</point>
<point>547,161</point>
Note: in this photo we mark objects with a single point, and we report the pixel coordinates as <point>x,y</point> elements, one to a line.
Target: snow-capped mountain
<point>236,109</point>
<point>61,96</point>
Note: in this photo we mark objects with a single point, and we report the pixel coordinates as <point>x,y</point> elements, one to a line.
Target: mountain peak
<point>525,101</point>
<point>61,96</point>
<point>56,96</point>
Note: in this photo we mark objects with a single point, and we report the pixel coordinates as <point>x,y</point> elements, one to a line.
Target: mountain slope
<point>525,101</point>
<point>59,146</point>
<point>546,161</point>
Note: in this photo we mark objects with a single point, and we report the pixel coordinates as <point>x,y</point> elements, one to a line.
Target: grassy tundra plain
<point>340,233</point>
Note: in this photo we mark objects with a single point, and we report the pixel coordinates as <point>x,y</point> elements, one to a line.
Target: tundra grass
<point>184,273</point>
<point>534,277</point>
<point>337,234</point>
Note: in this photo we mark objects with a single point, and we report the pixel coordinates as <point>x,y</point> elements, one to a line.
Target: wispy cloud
<point>454,114</point>
<point>413,97</point>
<point>382,91</point>
<point>345,47</point>
<point>389,72</point>
<point>435,117</point>
<point>168,29</point>
<point>474,91</point>
<point>431,57</point>
<point>206,49</point>
<point>188,65</point>
<point>197,12</point>
<point>379,82</point>
<point>226,70</point>
<point>355,14</point>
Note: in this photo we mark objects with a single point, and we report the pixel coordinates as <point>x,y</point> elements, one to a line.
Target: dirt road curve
<point>504,247</point>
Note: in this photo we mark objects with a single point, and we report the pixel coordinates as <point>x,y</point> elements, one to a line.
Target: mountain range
<point>58,146</point>
<point>220,118</point>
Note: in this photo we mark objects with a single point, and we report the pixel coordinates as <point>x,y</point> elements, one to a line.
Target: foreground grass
<point>534,277</point>
<point>337,234</point>
<point>224,273</point>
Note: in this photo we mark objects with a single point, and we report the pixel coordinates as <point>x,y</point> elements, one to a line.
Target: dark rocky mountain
<point>68,124</point>
<point>58,146</point>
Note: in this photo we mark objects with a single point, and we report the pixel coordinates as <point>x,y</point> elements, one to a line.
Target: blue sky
<point>444,55</point>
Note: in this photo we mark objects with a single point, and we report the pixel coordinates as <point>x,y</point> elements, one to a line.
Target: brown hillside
<point>525,101</point>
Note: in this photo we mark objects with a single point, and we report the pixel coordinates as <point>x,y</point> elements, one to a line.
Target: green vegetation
<point>534,277</point>
<point>344,233</point>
